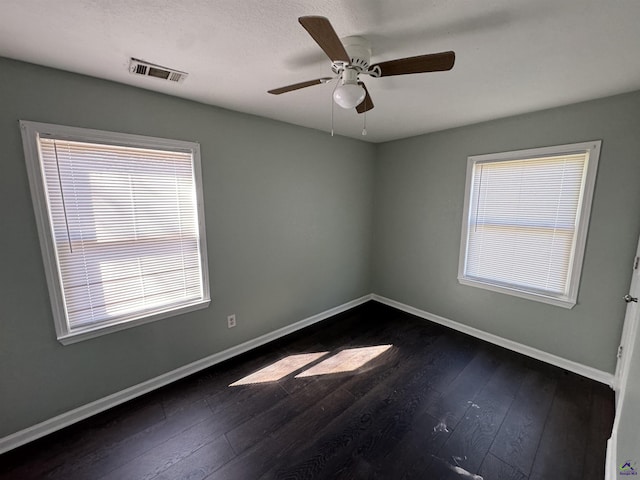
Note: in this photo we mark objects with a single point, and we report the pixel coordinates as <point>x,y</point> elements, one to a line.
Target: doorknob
<point>628,298</point>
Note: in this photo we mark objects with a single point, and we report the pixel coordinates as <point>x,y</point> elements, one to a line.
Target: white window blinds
<point>523,220</point>
<point>126,231</point>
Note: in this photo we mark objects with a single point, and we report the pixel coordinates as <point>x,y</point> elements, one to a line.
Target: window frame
<point>592,148</point>
<point>31,133</point>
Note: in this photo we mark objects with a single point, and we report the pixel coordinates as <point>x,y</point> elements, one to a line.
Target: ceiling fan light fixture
<point>349,95</point>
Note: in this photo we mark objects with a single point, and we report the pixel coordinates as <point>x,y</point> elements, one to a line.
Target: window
<point>121,227</point>
<point>525,221</point>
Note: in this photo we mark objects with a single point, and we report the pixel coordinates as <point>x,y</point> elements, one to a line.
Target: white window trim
<point>584,213</point>
<point>31,131</point>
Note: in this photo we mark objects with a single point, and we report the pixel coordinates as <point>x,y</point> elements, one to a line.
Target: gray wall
<point>419,200</point>
<point>288,215</point>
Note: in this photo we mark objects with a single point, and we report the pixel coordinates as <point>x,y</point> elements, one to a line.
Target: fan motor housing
<point>359,51</point>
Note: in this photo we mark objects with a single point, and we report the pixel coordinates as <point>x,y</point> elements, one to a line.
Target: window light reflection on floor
<point>280,369</point>
<point>345,361</point>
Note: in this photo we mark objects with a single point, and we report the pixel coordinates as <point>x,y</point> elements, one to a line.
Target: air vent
<point>140,67</point>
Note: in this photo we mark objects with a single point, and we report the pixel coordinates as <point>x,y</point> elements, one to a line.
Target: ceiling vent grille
<point>140,67</point>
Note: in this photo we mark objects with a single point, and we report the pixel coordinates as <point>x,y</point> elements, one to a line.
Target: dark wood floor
<point>436,405</point>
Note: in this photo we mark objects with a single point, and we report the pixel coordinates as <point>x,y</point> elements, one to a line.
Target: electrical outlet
<point>231,321</point>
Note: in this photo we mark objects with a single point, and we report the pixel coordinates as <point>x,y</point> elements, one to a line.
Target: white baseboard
<point>65,419</point>
<point>585,371</point>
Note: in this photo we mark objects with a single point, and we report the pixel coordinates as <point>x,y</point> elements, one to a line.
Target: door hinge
<point>619,352</point>
<point>635,263</point>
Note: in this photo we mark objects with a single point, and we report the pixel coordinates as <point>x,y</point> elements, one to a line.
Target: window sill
<point>80,335</point>
<point>564,302</point>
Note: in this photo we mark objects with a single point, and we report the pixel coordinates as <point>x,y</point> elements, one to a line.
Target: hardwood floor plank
<point>442,469</point>
<point>460,394</point>
<point>111,456</point>
<point>280,413</point>
<point>412,454</point>
<point>201,463</point>
<point>365,421</point>
<point>517,440</point>
<point>387,427</point>
<point>232,407</point>
<point>159,460</point>
<point>473,436</point>
<point>449,352</point>
<point>36,459</point>
<point>415,411</point>
<point>418,448</point>
<point>495,469</point>
<point>282,446</point>
<point>600,423</point>
<point>566,432</point>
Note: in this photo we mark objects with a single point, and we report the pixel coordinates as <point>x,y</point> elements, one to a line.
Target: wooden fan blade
<point>298,86</point>
<point>434,62</point>
<point>323,33</point>
<point>367,103</point>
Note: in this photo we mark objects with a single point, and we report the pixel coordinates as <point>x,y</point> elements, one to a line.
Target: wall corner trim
<point>570,365</point>
<point>611,461</point>
<point>70,417</point>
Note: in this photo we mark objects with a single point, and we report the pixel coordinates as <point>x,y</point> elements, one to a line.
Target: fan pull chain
<point>332,118</point>
<point>364,125</point>
<point>64,207</point>
<point>332,106</point>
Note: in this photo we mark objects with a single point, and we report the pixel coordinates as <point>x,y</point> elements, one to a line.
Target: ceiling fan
<point>350,58</point>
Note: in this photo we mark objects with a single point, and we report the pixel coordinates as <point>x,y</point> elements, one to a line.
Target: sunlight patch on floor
<point>345,361</point>
<point>280,369</point>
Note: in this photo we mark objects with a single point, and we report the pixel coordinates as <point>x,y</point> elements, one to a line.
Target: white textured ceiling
<point>512,56</point>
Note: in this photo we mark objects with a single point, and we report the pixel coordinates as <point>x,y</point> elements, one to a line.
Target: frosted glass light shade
<point>349,95</point>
